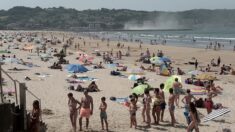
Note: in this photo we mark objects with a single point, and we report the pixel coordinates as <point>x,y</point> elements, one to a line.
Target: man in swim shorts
<point>86,109</point>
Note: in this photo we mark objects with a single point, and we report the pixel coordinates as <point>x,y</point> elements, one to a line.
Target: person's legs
<point>131,121</point>
<point>80,123</point>
<point>158,114</point>
<point>143,113</point>
<point>148,116</point>
<point>102,123</point>
<point>162,114</point>
<point>106,123</point>
<point>153,114</point>
<point>87,123</point>
<point>71,119</point>
<point>172,117</point>
<point>75,121</point>
<point>190,127</point>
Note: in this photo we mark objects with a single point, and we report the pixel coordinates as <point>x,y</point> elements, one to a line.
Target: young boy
<point>132,110</point>
<point>103,114</point>
<point>171,106</point>
<point>163,104</point>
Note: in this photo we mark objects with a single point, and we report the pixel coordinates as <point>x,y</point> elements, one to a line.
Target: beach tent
<point>134,77</point>
<point>205,76</point>
<point>76,68</point>
<point>164,71</point>
<point>139,90</point>
<point>137,71</point>
<point>215,113</point>
<point>156,60</point>
<point>169,82</point>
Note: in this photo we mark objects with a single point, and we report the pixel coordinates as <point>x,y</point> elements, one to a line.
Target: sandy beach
<point>53,89</point>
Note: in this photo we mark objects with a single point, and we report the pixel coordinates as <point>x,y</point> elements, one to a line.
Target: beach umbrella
<point>165,59</point>
<point>134,77</point>
<point>215,113</point>
<point>195,72</point>
<point>156,60</point>
<point>170,81</point>
<point>76,68</point>
<point>139,90</point>
<point>136,71</point>
<point>205,76</point>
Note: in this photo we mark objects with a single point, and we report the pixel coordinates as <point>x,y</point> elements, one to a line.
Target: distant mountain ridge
<point>113,19</point>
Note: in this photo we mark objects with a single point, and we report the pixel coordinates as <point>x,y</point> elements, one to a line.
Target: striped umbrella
<point>215,113</point>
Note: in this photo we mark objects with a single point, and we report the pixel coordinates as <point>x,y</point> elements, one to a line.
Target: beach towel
<point>198,91</point>
<point>122,101</point>
<point>215,113</point>
<point>86,79</point>
<point>8,90</point>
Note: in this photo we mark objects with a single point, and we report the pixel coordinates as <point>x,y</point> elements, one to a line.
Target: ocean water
<point>185,38</point>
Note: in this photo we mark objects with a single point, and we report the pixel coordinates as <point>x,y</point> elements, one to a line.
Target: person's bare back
<point>86,101</point>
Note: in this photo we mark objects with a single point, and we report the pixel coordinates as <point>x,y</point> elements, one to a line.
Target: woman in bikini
<point>157,106</point>
<point>72,103</point>
<point>194,118</point>
<point>132,110</point>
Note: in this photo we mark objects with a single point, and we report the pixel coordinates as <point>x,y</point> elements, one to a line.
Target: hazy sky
<point>160,5</point>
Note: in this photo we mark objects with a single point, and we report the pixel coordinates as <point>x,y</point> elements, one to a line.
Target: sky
<point>148,5</point>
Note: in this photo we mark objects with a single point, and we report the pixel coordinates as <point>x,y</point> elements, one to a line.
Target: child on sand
<point>132,110</point>
<point>103,114</point>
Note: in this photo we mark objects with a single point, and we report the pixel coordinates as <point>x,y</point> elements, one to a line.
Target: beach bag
<point>199,103</point>
<point>113,98</point>
<point>71,88</point>
<point>114,73</point>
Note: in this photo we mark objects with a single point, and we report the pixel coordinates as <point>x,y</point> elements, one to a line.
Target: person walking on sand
<point>171,106</point>
<point>72,103</point>
<point>194,117</point>
<point>103,114</point>
<point>86,109</point>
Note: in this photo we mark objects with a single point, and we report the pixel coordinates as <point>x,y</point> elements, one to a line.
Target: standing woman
<point>72,103</point>
<point>35,117</point>
<point>194,118</point>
